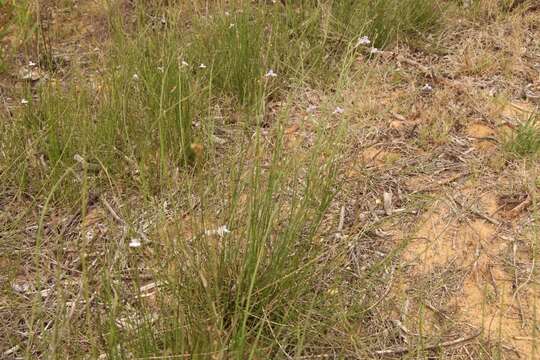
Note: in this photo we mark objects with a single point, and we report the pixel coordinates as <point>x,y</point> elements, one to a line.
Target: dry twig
<point>403,349</point>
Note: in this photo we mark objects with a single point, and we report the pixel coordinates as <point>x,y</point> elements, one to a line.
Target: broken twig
<point>404,349</point>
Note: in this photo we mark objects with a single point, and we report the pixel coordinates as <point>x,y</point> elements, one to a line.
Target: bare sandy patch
<point>490,297</point>
<point>445,235</point>
<point>482,135</point>
<point>378,156</point>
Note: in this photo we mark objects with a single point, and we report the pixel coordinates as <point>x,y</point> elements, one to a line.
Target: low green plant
<point>525,140</point>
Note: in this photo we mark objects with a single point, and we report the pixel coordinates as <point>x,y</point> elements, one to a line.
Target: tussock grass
<point>244,292</point>
<point>525,140</point>
<point>383,21</point>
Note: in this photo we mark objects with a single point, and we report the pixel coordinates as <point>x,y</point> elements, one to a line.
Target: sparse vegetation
<point>265,180</point>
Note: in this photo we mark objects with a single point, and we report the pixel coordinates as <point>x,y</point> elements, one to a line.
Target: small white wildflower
<point>20,287</point>
<point>338,111</point>
<point>231,25</point>
<point>31,63</point>
<point>374,50</point>
<point>90,234</point>
<point>30,74</point>
<point>220,231</point>
<point>427,88</point>
<point>184,63</point>
<point>364,40</point>
<point>24,101</point>
<point>161,69</point>
<point>135,243</point>
<point>270,73</point>
<point>311,108</point>
<point>135,77</point>
<point>202,66</point>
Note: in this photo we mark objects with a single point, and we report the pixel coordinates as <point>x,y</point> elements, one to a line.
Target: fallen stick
<point>404,349</point>
<point>476,212</point>
<point>441,182</point>
<point>520,207</point>
<point>111,211</point>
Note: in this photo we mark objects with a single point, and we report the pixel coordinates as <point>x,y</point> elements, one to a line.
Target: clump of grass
<point>160,99</point>
<point>493,9</point>
<point>525,141</point>
<point>384,21</point>
<point>47,136</point>
<point>239,295</point>
<point>232,47</point>
<point>258,291</point>
<point>140,123</point>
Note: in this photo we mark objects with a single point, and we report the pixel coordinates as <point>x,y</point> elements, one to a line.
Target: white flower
<point>220,231</point>
<point>24,101</point>
<point>30,74</point>
<point>161,69</point>
<point>374,50</point>
<point>20,287</point>
<point>364,40</point>
<point>338,111</point>
<point>135,77</point>
<point>202,66</point>
<point>311,108</point>
<point>90,234</point>
<point>184,63</point>
<point>270,73</point>
<point>31,64</point>
<point>135,243</point>
<point>427,88</point>
<point>231,25</point>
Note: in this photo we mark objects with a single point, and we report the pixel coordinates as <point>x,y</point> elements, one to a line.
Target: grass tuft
<point>525,141</point>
